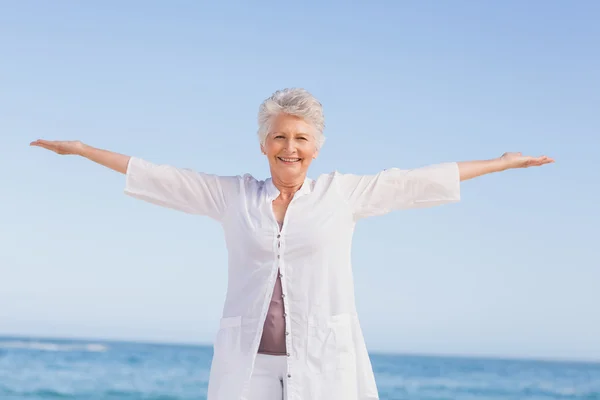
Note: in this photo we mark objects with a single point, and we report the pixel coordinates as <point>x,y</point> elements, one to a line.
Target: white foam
<point>49,346</point>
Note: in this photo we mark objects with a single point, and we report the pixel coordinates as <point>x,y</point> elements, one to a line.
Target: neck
<point>288,187</point>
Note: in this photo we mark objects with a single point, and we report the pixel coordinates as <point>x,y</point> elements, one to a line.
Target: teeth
<point>289,159</point>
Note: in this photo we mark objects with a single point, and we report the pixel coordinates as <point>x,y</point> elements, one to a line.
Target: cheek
<point>309,152</point>
<point>307,148</point>
<point>272,148</point>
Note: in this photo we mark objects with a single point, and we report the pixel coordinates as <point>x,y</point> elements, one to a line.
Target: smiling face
<point>290,147</point>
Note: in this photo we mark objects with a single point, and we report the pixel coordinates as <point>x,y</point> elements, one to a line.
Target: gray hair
<point>296,102</point>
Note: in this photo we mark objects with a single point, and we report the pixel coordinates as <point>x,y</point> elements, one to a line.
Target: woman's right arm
<point>112,160</point>
<point>164,185</point>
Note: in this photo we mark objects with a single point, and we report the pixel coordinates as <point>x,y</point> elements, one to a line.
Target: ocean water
<point>37,369</point>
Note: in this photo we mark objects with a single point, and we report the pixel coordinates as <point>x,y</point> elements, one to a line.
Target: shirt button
<point>280,275</point>
<point>278,236</point>
<point>278,256</point>
<point>289,375</point>
<point>288,354</point>
<point>287,333</point>
<point>284,315</point>
<point>283,295</point>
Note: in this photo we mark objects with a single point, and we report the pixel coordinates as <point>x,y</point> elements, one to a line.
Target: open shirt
<point>327,358</point>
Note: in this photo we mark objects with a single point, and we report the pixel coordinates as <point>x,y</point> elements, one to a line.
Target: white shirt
<point>327,357</point>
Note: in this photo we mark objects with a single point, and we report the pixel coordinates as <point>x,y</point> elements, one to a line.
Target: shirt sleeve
<point>395,189</point>
<point>180,189</point>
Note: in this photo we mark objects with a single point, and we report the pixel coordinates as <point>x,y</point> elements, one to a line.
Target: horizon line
<point>157,342</point>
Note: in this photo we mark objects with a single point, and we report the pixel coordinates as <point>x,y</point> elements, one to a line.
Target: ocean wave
<point>37,394</point>
<point>107,395</point>
<point>123,394</point>
<point>484,389</point>
<point>50,346</point>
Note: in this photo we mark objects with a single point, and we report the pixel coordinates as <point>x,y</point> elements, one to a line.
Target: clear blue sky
<point>512,270</point>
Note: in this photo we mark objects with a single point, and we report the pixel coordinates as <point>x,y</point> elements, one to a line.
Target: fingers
<point>46,144</point>
<point>536,162</point>
<point>40,142</point>
<point>545,160</point>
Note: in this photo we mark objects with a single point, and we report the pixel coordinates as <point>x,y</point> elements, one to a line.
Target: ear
<point>316,155</point>
<point>262,150</point>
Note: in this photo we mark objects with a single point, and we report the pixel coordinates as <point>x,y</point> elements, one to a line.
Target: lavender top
<point>273,337</point>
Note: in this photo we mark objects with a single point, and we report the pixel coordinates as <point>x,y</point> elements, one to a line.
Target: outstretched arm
<point>112,160</point>
<point>473,169</point>
<point>432,185</point>
<point>164,185</point>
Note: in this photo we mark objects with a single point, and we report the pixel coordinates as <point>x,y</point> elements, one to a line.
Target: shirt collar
<point>273,192</point>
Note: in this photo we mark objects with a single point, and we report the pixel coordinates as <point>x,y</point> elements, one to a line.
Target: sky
<point>511,271</point>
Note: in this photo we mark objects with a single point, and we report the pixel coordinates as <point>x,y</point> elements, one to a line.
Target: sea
<point>44,369</point>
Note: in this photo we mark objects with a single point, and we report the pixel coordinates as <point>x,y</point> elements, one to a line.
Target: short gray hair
<point>296,102</point>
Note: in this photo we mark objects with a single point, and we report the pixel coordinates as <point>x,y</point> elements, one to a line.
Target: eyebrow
<point>285,133</point>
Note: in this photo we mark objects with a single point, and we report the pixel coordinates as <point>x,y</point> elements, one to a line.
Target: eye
<point>279,137</point>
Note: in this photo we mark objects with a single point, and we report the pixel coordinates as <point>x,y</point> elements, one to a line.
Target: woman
<point>289,327</point>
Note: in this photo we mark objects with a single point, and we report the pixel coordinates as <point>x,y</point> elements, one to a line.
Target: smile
<point>289,160</point>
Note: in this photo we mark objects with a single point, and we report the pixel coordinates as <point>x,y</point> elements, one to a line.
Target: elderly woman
<point>289,327</point>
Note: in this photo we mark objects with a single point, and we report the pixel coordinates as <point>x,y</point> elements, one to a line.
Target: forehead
<point>290,124</point>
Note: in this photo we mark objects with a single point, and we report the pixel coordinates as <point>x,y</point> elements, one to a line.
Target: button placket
<point>281,266</point>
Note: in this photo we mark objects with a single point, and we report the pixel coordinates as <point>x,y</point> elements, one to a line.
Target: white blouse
<point>327,357</point>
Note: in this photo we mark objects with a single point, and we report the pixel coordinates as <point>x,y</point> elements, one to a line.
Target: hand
<point>518,160</point>
<point>60,147</point>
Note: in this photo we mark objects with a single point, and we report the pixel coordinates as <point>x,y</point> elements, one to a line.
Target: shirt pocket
<point>329,344</point>
<point>227,348</point>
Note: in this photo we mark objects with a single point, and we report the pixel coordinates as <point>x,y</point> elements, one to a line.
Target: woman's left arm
<point>473,169</point>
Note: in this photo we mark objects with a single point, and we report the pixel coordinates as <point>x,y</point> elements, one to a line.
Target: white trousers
<point>268,380</point>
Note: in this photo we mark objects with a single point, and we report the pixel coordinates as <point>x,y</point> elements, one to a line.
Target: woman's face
<point>290,147</point>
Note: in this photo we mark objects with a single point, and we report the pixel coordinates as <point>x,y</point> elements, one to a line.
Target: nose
<point>290,145</point>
